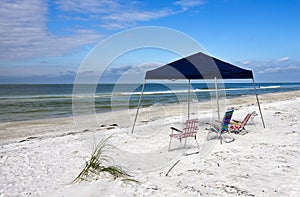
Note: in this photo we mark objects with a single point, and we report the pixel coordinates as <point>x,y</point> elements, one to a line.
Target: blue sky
<point>46,41</point>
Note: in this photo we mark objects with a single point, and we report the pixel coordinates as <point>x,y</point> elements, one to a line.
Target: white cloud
<point>27,71</point>
<point>22,25</point>
<point>284,59</point>
<point>125,19</point>
<point>279,69</point>
<point>129,74</point>
<point>24,29</point>
<point>274,70</point>
<point>137,16</point>
<point>246,63</point>
<point>119,14</point>
<point>187,4</point>
<point>89,6</point>
<point>24,32</point>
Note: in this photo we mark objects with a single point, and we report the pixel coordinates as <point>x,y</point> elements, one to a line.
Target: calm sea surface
<point>26,102</point>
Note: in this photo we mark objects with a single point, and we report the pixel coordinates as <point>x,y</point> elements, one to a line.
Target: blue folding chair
<point>222,128</point>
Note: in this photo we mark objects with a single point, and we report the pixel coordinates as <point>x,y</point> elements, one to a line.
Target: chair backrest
<point>191,125</point>
<point>226,120</point>
<point>246,119</point>
<point>253,114</point>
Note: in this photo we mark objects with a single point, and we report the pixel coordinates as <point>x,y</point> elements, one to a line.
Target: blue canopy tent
<point>198,66</point>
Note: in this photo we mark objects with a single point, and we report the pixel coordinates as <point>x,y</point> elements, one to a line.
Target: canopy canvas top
<point>198,66</point>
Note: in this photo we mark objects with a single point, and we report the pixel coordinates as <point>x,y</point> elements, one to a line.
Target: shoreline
<point>41,128</point>
<point>55,105</point>
<point>60,126</point>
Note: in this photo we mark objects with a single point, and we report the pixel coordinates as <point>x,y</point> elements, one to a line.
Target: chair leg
<point>230,135</point>
<point>170,139</point>
<point>197,143</point>
<point>170,144</point>
<point>212,130</point>
<point>243,132</point>
<point>181,143</point>
<point>185,142</point>
<point>228,141</point>
<point>207,137</point>
<point>184,148</point>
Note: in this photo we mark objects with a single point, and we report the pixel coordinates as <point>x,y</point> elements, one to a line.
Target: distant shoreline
<point>152,81</point>
<point>30,102</point>
<point>18,130</point>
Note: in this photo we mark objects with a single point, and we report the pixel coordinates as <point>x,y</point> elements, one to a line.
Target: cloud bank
<point>274,70</point>
<point>25,31</point>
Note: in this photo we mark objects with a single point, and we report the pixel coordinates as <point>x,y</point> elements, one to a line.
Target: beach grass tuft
<point>96,165</point>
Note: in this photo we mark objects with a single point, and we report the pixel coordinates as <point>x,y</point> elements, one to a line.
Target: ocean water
<point>27,102</point>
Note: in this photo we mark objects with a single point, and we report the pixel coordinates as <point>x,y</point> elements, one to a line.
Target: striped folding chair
<point>238,127</point>
<point>222,128</point>
<point>190,130</point>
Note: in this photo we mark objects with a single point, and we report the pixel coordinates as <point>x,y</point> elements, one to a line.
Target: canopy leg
<point>189,99</point>
<point>218,107</point>
<point>217,98</point>
<point>138,107</point>
<point>262,119</point>
<point>189,93</point>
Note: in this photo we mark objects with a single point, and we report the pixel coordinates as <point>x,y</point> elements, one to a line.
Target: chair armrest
<point>236,121</point>
<point>175,129</point>
<point>212,125</point>
<point>218,121</point>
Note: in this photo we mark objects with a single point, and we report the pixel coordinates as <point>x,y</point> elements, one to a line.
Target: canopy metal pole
<point>138,107</point>
<point>189,92</point>
<point>217,97</point>
<point>262,119</point>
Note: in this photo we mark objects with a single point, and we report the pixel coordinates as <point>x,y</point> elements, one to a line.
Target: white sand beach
<point>42,157</point>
